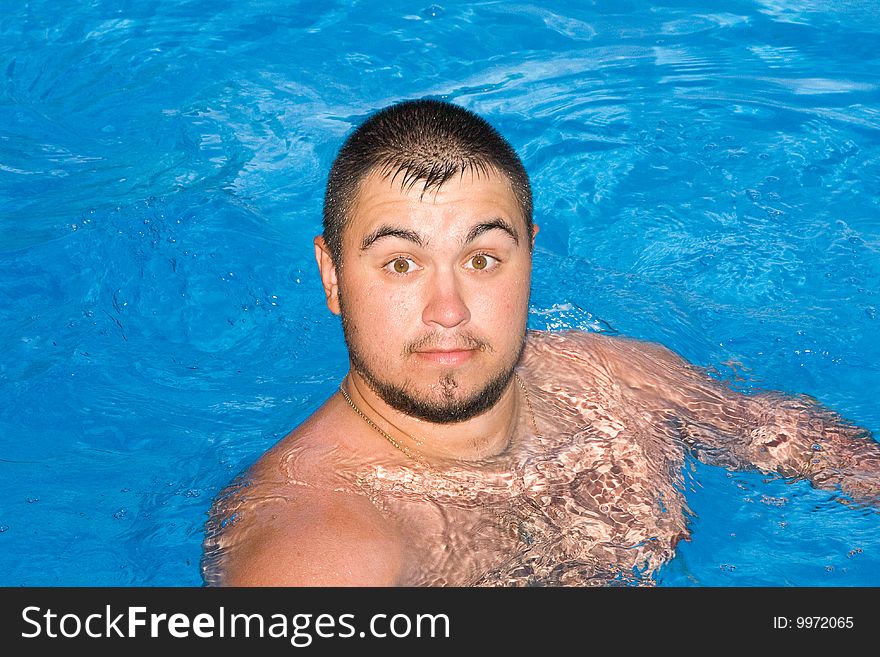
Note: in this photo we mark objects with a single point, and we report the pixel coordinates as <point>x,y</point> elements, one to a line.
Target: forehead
<point>470,197</point>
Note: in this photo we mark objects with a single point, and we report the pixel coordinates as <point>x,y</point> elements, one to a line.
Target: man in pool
<point>462,449</point>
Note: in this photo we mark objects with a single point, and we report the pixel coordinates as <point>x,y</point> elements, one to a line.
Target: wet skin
<point>434,288</point>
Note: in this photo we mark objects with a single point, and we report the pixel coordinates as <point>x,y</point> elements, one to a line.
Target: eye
<point>401,265</point>
<point>481,262</point>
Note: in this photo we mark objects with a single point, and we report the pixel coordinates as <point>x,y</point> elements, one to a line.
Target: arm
<point>791,436</point>
<point>303,537</point>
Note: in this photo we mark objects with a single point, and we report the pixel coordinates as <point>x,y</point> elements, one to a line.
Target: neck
<point>477,438</point>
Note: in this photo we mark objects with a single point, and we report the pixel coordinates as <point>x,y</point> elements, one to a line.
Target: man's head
<point>422,144</point>
<point>426,255</point>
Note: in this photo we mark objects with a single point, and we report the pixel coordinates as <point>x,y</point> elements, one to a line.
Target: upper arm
<point>310,538</point>
<point>790,435</point>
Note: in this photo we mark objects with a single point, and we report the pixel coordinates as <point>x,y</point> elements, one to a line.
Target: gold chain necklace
<point>415,456</point>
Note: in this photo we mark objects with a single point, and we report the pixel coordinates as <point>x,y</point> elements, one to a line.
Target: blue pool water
<point>706,175</point>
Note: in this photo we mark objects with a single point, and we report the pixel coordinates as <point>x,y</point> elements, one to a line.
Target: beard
<point>450,406</point>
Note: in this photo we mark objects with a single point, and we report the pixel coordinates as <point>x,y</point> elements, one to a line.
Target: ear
<point>328,274</point>
<point>535,230</point>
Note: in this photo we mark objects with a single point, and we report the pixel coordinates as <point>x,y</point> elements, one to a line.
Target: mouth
<point>446,357</point>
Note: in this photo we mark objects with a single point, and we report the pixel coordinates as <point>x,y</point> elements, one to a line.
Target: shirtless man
<point>462,449</point>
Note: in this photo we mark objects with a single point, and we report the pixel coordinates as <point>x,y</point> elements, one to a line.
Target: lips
<point>446,356</point>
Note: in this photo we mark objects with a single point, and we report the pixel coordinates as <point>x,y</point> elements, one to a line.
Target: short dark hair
<point>427,141</point>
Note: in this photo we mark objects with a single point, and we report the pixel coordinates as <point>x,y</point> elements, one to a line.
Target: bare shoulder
<point>581,342</point>
<point>562,344</point>
<point>624,360</point>
<point>609,350</point>
<point>287,523</point>
<point>311,538</point>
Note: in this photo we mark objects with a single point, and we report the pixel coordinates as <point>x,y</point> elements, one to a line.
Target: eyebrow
<point>492,224</point>
<point>389,230</point>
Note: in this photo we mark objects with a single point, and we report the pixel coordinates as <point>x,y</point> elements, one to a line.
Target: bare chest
<point>588,504</point>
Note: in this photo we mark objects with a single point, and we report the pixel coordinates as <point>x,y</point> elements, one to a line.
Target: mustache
<point>461,341</point>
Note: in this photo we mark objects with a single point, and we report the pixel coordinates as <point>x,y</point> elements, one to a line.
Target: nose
<point>445,305</point>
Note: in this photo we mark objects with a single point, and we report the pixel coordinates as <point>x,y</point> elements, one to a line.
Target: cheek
<point>383,314</point>
<point>504,306</point>
<point>389,302</point>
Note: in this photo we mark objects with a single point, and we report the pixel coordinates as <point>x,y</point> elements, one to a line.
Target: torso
<point>595,499</point>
